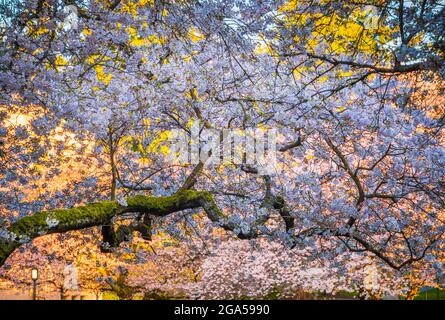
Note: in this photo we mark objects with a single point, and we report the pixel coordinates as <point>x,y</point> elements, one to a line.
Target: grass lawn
<point>430,294</point>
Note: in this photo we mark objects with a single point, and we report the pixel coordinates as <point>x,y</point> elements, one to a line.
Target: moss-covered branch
<point>96,214</point>
<point>54,221</point>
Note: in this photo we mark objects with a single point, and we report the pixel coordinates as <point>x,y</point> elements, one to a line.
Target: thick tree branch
<point>96,214</point>
<point>431,64</point>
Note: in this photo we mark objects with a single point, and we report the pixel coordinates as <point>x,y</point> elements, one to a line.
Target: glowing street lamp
<point>34,277</point>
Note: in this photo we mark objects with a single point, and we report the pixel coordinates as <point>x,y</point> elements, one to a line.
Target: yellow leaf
<point>101,75</point>
<point>297,74</point>
<point>262,48</point>
<point>146,122</point>
<point>195,34</point>
<point>340,109</point>
<point>193,94</point>
<point>189,57</point>
<point>60,61</point>
<point>145,2</point>
<point>87,32</point>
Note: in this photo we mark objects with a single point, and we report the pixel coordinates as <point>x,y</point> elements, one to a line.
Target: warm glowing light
<point>34,274</point>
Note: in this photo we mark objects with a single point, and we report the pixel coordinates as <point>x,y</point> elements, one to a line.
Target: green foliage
<point>5,249</point>
<point>119,285</point>
<point>343,294</point>
<point>431,294</point>
<point>110,295</point>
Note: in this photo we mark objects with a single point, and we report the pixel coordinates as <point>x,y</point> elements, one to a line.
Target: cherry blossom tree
<point>360,156</point>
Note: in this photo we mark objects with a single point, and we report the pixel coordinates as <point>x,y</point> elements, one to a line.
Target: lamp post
<point>34,277</point>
